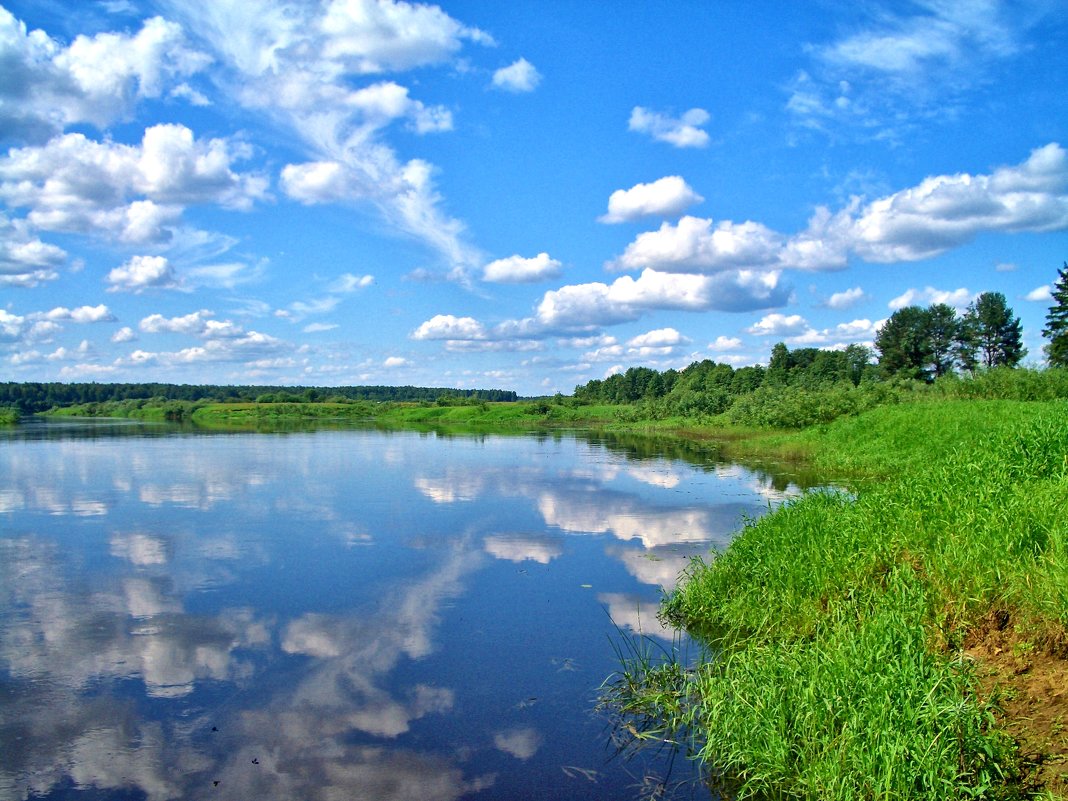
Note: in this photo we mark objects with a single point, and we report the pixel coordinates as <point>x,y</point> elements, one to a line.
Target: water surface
<point>336,614</point>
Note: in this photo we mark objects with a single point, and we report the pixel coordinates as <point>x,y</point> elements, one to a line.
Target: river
<point>349,614</point>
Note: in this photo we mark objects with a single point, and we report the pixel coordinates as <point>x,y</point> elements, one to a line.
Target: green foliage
<point>9,415</point>
<point>989,335</point>
<point>903,344</point>
<point>1005,383</point>
<point>1056,329</point>
<point>837,620</point>
<point>31,397</point>
<point>798,406</point>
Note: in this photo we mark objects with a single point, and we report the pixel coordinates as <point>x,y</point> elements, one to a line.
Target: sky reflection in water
<point>326,615</point>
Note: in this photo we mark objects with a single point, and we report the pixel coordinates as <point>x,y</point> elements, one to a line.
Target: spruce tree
<point>1056,329</point>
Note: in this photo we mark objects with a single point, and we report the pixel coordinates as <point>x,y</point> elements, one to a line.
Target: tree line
<point>30,397</point>
<point>915,344</point>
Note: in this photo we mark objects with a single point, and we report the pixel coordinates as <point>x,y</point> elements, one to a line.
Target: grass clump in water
<point>837,625</point>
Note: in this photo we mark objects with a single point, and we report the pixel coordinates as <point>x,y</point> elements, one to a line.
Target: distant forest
<point>30,397</point>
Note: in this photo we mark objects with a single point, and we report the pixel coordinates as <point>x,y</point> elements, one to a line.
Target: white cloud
<point>124,334</point>
<point>957,298</point>
<point>684,131</point>
<point>1040,294</point>
<point>385,36</point>
<point>946,211</point>
<point>846,298</point>
<point>665,197</point>
<point>586,306</point>
<point>396,361</point>
<point>693,245</point>
<point>881,80</point>
<point>779,325</point>
<point>96,79</point>
<point>226,344</point>
<point>911,46</point>
<point>837,337</point>
<point>24,259</point>
<point>723,343</point>
<point>347,282</point>
<point>141,273</point>
<point>516,269</point>
<point>82,314</point>
<point>519,76</point>
<point>446,326</point>
<point>314,328</point>
<point>193,323</point>
<point>941,213</point>
<point>226,274</point>
<point>661,337</point>
<point>133,193</point>
<point>298,65</point>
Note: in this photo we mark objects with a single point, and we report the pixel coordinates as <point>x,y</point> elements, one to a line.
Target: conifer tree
<point>990,336</point>
<point>1056,329</point>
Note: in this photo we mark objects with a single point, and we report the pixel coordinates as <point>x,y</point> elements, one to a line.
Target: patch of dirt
<point>1031,685</point>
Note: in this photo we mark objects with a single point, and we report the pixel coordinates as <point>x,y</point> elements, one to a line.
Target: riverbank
<point>904,639</point>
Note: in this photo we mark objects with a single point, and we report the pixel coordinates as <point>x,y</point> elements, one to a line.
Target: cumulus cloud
<point>940,213</point>
<point>519,76</point>
<point>580,308</point>
<point>723,343</point>
<point>957,298</point>
<point>24,259</point>
<point>666,197</point>
<point>96,79</point>
<point>1040,294</point>
<point>661,337</point>
<point>124,334</point>
<point>838,336</point>
<point>134,194</point>
<point>141,273</point>
<point>192,323</point>
<point>684,131</point>
<point>396,361</point>
<point>779,325</point>
<point>81,314</point>
<point>517,270</point>
<point>447,326</point>
<point>695,245</point>
<point>846,298</point>
<point>946,211</point>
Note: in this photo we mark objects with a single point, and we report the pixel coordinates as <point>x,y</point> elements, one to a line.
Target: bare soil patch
<point>1030,682</point>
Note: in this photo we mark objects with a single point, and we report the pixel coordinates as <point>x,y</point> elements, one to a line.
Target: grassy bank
<point>517,415</point>
<point>855,633</point>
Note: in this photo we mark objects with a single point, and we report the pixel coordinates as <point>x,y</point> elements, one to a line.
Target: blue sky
<point>514,195</point>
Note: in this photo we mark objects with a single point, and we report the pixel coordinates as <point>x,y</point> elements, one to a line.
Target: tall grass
<point>838,620</point>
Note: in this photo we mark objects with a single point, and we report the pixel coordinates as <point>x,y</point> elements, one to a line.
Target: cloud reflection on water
<point>103,630</point>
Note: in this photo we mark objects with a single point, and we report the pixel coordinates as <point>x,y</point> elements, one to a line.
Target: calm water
<point>335,614</point>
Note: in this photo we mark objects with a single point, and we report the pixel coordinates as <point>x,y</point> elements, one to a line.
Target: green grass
<point>837,621</point>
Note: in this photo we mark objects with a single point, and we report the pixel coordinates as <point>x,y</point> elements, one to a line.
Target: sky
<point>521,196</point>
